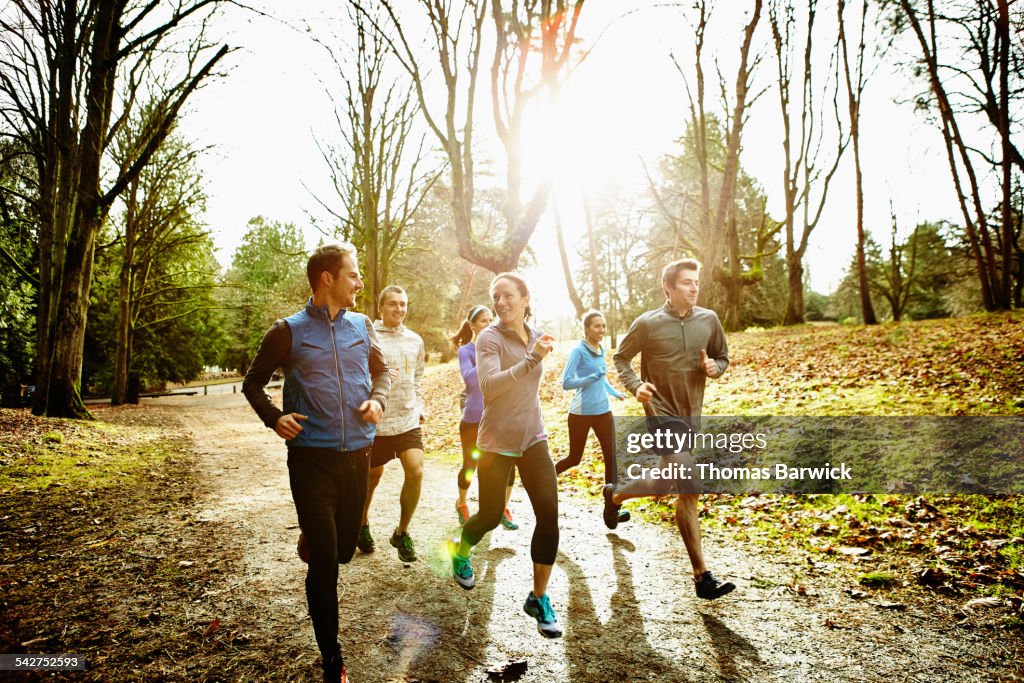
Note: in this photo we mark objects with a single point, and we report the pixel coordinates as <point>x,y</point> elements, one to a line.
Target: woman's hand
<point>543,345</point>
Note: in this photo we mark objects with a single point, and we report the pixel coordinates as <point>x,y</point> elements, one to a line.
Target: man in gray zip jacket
<point>681,345</point>
<point>335,388</point>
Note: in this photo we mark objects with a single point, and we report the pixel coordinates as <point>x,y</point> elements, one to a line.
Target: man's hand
<point>371,411</point>
<point>711,368</point>
<point>645,392</point>
<point>394,374</point>
<point>288,427</point>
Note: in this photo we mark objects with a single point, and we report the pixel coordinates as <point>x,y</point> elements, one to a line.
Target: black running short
<point>387,448</point>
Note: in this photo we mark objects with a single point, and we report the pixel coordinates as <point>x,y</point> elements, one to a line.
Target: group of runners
<point>353,401</point>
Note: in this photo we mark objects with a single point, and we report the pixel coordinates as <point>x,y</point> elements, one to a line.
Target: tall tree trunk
<point>124,320</point>
<point>854,93</point>
<point>570,288</point>
<point>977,231</point>
<point>64,391</point>
<point>731,277</point>
<point>733,282</point>
<point>795,286</point>
<point>867,310</point>
<point>1003,32</point>
<point>592,261</point>
<point>56,195</point>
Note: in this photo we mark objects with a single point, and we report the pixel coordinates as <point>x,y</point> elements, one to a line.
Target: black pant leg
<point>579,428</point>
<point>467,437</point>
<point>537,473</point>
<point>312,475</point>
<point>604,428</point>
<point>351,482</point>
<point>491,476</point>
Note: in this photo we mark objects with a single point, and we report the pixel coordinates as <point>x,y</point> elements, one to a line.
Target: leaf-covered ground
<point>971,547</point>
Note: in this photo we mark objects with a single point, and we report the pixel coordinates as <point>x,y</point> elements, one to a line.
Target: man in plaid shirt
<point>398,435</point>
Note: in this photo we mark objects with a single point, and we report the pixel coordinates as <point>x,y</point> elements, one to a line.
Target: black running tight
<point>579,428</point>
<point>467,435</point>
<point>537,473</point>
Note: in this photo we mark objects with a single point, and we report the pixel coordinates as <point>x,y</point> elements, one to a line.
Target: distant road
<point>195,390</point>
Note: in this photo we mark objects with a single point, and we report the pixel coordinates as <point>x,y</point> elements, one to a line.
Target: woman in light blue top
<point>585,372</point>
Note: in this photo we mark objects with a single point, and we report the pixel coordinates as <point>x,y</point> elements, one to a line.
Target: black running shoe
<point>611,510</point>
<point>402,542</point>
<point>365,541</point>
<point>710,588</point>
<point>334,670</point>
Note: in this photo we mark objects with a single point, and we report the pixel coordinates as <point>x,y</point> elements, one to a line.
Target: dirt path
<point>625,597</point>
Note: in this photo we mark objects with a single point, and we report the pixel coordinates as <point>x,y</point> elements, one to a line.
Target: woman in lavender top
<point>479,318</point>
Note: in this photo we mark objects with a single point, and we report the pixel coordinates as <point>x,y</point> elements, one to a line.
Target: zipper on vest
<point>341,397</point>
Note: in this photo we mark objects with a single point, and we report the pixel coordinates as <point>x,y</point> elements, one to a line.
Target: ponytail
<point>463,336</point>
<point>465,333</point>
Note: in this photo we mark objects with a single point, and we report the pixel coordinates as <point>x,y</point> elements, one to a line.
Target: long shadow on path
<point>618,650</point>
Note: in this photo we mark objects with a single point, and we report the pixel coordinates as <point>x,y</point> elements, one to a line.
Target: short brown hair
<point>670,272</point>
<point>328,258</point>
<point>390,289</point>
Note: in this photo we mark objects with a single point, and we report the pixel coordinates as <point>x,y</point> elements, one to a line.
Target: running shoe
<point>302,548</point>
<point>541,610</point>
<point>506,521</point>
<point>611,510</point>
<point>334,671</point>
<point>462,570</point>
<point>710,588</point>
<point>365,541</point>
<point>403,543</point>
<point>462,511</point>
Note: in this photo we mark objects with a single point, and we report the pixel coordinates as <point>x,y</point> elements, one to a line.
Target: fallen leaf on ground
<point>898,606</point>
<point>511,670</point>
<point>984,602</point>
<point>212,627</point>
<point>37,641</point>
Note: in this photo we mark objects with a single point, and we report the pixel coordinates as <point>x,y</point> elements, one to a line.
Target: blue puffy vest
<point>327,378</point>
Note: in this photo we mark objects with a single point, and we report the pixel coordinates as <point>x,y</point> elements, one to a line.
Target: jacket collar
<point>379,326</point>
<point>673,312</point>
<point>594,351</point>
<point>509,332</point>
<point>320,312</point>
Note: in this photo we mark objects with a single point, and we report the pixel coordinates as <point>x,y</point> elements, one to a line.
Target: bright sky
<point>625,103</point>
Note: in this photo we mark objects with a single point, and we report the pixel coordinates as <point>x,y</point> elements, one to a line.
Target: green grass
<point>877,579</point>
<point>88,455</point>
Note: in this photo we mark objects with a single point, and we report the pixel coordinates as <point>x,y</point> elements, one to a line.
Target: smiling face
<point>509,302</point>
<point>683,294</point>
<point>482,320</point>
<point>342,287</point>
<point>393,308</point>
<point>595,329</point>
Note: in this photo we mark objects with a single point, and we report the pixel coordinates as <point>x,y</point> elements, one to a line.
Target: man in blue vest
<point>336,383</point>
